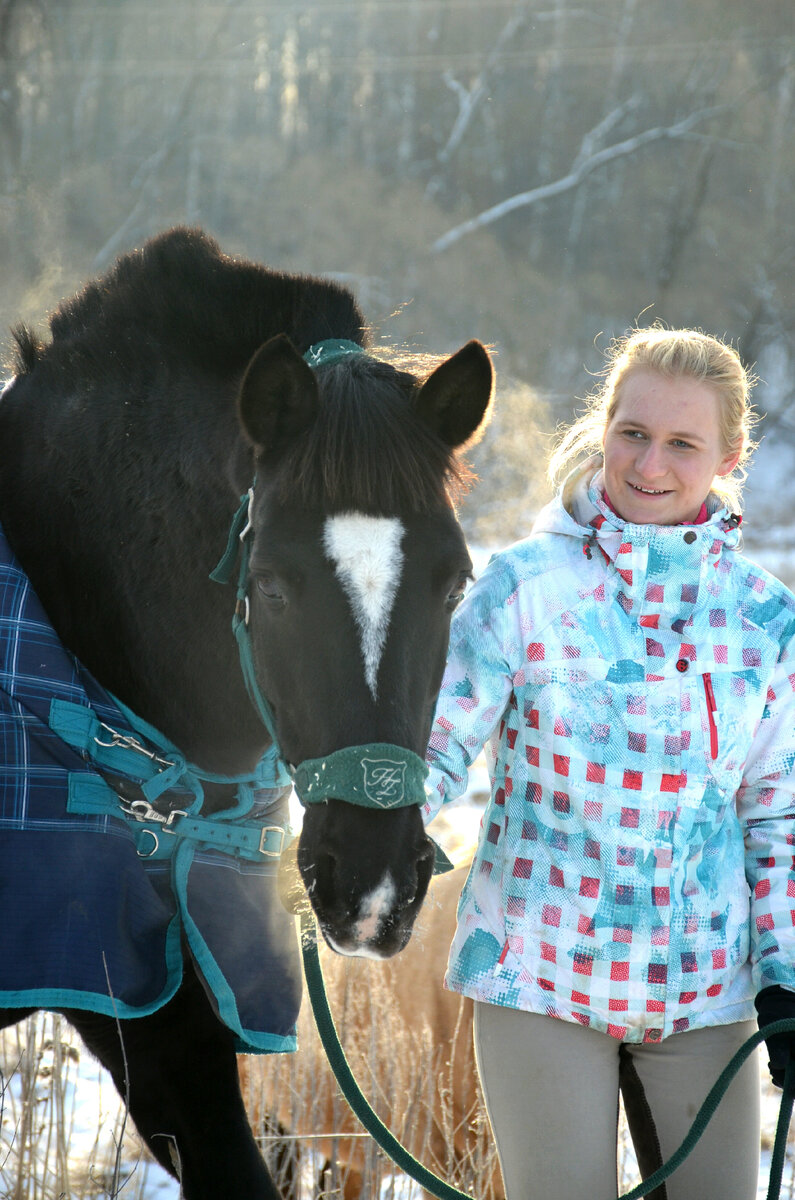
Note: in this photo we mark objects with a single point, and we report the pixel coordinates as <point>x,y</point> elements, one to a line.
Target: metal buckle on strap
<point>153,849</point>
<point>243,610</point>
<point>141,810</point>
<point>266,829</point>
<point>130,743</point>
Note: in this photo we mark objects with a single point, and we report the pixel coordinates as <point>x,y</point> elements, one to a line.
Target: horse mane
<point>180,298</point>
<point>368,450</point>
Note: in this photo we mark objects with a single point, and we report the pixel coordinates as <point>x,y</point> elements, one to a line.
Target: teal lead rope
<point>445,1191</point>
<point>782,1126</point>
<point>708,1108</point>
<point>350,1089</point>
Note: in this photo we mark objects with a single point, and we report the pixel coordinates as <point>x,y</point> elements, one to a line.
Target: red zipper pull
<point>711,710</point>
<point>501,959</point>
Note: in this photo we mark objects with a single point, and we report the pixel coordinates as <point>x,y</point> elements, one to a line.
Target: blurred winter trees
<point>541,175</point>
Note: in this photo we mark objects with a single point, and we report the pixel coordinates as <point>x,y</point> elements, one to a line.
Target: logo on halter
<point>384,781</point>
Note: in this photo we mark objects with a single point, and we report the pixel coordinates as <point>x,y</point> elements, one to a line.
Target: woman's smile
<point>663,448</point>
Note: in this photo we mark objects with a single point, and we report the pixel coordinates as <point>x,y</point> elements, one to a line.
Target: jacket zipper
<point>501,959</point>
<point>711,710</point>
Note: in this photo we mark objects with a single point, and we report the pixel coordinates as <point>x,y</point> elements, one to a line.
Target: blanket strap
<point>152,774</point>
<point>158,836</point>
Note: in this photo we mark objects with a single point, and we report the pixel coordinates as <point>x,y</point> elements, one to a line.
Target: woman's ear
<point>729,463</point>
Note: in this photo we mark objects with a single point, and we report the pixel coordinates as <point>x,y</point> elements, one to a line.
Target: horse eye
<point>269,589</point>
<point>456,594</point>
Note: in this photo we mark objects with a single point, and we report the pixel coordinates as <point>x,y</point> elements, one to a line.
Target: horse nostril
<point>318,871</point>
<point>325,870</point>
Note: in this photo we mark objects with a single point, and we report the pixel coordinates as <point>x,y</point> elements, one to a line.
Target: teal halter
<point>378,775</point>
<point>323,354</point>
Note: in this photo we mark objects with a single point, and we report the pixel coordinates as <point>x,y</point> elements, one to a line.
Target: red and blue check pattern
<point>635,868</point>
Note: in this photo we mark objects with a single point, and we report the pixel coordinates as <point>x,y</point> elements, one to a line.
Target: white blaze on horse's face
<point>374,908</point>
<point>368,561</point>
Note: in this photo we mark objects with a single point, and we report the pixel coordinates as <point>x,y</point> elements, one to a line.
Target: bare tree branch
<point>683,220</point>
<point>172,138</point>
<point>470,98</point>
<point>581,167</point>
<point>594,137</point>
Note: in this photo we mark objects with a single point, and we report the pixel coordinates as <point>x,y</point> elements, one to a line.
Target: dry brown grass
<point>409,1044</point>
<point>61,1121</point>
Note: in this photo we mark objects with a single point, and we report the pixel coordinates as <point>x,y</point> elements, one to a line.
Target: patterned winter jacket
<point>635,687</point>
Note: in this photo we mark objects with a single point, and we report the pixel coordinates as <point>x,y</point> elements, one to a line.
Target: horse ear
<point>456,399</point>
<point>278,397</point>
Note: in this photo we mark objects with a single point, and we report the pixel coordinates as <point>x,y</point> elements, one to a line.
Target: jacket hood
<point>580,510</point>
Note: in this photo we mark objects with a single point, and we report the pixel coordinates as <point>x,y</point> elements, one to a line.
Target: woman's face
<point>662,449</point>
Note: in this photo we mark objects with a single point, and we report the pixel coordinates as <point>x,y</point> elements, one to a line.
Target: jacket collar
<point>581,511</point>
<point>645,557</point>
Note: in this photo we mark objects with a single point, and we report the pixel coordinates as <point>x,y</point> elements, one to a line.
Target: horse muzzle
<point>377,927</point>
<point>368,920</point>
<point>363,856</point>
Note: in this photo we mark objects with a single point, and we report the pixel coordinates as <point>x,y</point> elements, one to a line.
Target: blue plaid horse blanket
<point>101,897</point>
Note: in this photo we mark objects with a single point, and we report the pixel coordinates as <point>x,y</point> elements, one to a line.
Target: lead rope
<point>782,1128</point>
<point>445,1191</point>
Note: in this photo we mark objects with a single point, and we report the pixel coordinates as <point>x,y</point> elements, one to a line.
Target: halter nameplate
<point>377,775</point>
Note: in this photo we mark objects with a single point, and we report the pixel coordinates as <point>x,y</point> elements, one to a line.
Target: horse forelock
<point>368,450</point>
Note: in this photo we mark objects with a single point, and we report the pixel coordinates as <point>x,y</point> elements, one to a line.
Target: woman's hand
<point>777,1004</point>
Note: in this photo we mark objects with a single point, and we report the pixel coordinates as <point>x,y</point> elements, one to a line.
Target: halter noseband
<point>378,775</point>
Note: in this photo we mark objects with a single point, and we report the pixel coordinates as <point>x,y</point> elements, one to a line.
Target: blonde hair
<point>675,353</point>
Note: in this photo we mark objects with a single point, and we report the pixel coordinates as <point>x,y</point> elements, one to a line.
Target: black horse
<point>169,388</point>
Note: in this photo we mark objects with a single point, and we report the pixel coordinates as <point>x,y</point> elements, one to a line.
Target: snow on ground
<point>97,1119</point>
<point>62,1121</point>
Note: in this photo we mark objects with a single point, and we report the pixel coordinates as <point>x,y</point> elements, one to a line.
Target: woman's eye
<point>269,589</point>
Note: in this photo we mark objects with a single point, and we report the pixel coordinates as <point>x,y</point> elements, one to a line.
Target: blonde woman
<point>633,893</point>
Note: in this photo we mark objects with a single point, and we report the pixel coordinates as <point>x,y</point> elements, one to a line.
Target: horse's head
<point>356,564</point>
